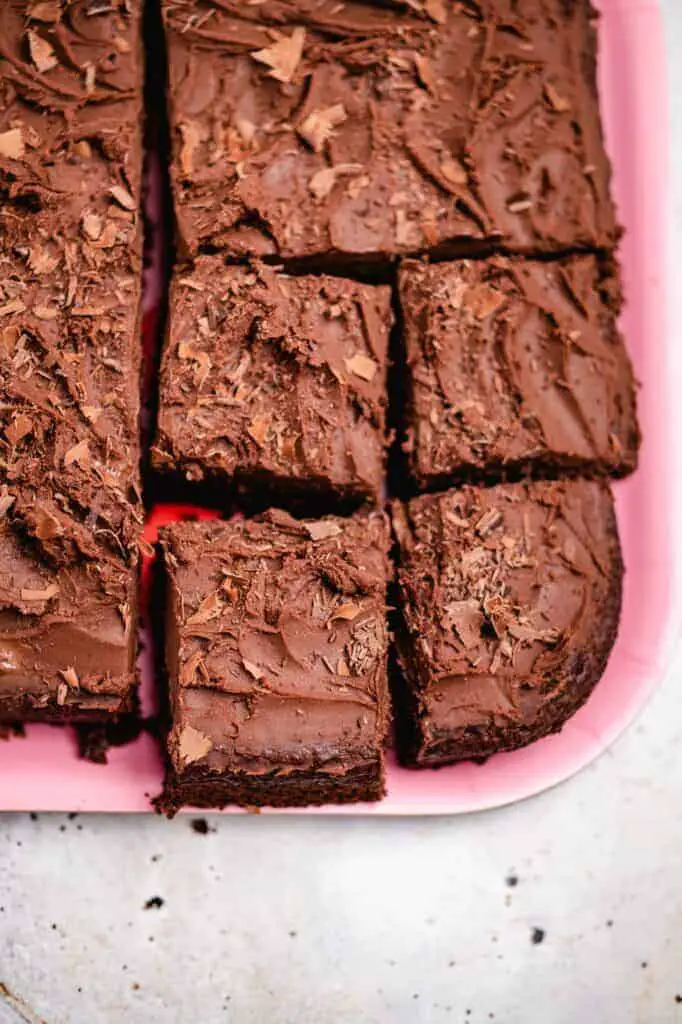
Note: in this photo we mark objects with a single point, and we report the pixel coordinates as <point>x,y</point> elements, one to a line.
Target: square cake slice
<point>510,600</point>
<point>515,364</point>
<point>276,382</point>
<point>358,131</point>
<point>71,120</point>
<point>68,631</point>
<point>276,656</point>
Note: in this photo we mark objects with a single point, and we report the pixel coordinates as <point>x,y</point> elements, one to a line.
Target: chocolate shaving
<point>348,611</point>
<point>46,594</point>
<point>361,366</point>
<point>40,261</point>
<point>191,140</point>
<point>489,521</point>
<point>453,171</point>
<point>342,668</point>
<point>555,100</point>
<point>258,429</point>
<point>319,125</point>
<point>80,453</point>
<point>210,608</point>
<point>425,73</point>
<point>13,306</point>
<point>123,197</point>
<point>46,525</point>
<point>466,619</point>
<point>70,677</point>
<point>284,56</point>
<point>92,226</point>
<point>323,181</point>
<point>12,144</point>
<point>47,11</point>
<point>89,77</point>
<point>6,502</point>
<point>193,745</point>
<point>436,10</point>
<point>42,54</point>
<point>253,670</point>
<point>20,427</point>
<point>322,530</point>
<point>483,300</point>
<point>520,205</point>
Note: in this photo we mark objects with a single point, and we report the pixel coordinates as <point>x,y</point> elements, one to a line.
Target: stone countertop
<point>566,908</point>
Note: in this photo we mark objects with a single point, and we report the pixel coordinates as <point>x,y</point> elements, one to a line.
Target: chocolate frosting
<point>71,110</point>
<point>275,376</point>
<point>517,363</point>
<point>352,129</point>
<point>70,253</point>
<point>276,644</point>
<point>510,598</point>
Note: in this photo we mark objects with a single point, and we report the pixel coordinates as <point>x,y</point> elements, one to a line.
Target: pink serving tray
<point>42,771</point>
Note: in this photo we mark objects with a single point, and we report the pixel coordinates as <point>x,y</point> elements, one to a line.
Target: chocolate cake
<point>516,364</point>
<point>70,251</point>
<point>276,657</point>
<point>357,131</point>
<point>310,140</point>
<point>275,383</point>
<point>510,599</point>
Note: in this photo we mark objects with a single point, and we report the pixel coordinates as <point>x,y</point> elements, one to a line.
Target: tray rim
<point>649,69</point>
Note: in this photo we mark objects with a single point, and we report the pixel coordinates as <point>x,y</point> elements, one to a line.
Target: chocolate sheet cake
<point>278,383</point>
<point>510,599</point>
<point>516,365</point>
<point>318,151</point>
<point>70,252</point>
<point>357,131</point>
<point>276,655</point>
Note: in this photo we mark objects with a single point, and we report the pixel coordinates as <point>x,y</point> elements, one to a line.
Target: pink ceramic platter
<point>42,771</point>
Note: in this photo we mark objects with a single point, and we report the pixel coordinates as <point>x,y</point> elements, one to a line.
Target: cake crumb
<point>155,903</point>
<point>201,826</point>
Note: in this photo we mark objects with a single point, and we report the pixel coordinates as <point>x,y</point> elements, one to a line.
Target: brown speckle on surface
<point>201,826</point>
<point>154,903</point>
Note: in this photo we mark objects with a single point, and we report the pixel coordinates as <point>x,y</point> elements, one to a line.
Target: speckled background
<point>565,909</point>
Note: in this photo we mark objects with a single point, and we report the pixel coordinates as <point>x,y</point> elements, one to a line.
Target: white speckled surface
<point>341,921</point>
